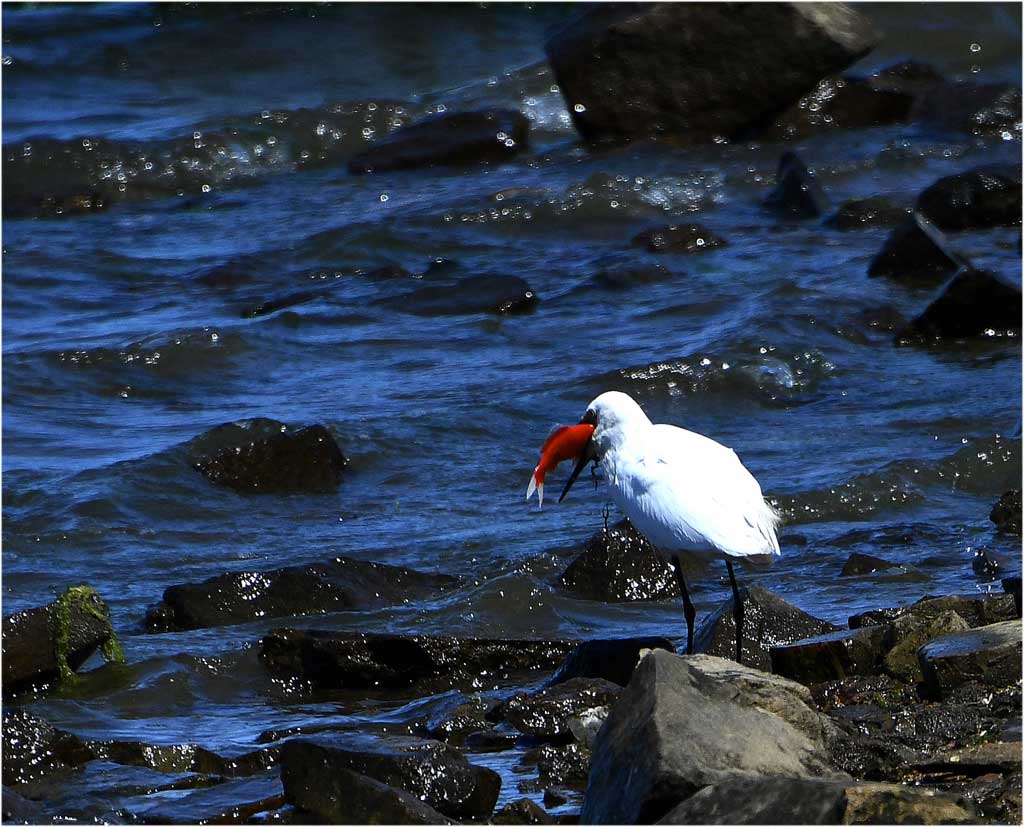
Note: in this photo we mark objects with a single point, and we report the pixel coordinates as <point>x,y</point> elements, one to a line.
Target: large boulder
<point>976,304</point>
<point>612,659</point>
<point>370,660</point>
<point>990,655</point>
<point>619,564</point>
<point>450,138</point>
<point>51,642</point>
<point>768,621</point>
<point>338,585</point>
<point>436,774</point>
<point>698,71</point>
<point>684,723</point>
<point>817,801</point>
<point>494,294</point>
<point>264,456</point>
<point>915,253</point>
<point>986,196</point>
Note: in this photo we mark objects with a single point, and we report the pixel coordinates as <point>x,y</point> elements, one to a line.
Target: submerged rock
<point>867,213</point>
<point>684,723</point>
<point>698,71</point>
<point>500,295</point>
<point>768,621</point>
<point>678,238</point>
<point>268,457</point>
<point>977,109</point>
<point>612,659</point>
<point>990,655</point>
<point>340,584</point>
<point>832,656</point>
<point>622,271</point>
<point>436,774</point>
<point>796,193</point>
<point>51,642</point>
<point>975,304</point>
<point>915,253</point>
<point>1006,513</point>
<point>451,138</point>
<point>34,749</point>
<point>986,196</point>
<point>858,564</point>
<point>619,564</point>
<point>335,660</point>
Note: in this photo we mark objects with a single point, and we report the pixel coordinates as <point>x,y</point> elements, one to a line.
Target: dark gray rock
<point>915,254</point>
<point>612,659</point>
<point>1011,585</point>
<point>229,802</point>
<point>976,304</point>
<point>548,712</point>
<point>867,213</point>
<point>264,456</point>
<point>1006,513</point>
<point>976,609</point>
<point>184,758</point>
<point>830,657</point>
<point>34,749</point>
<point>619,564</point>
<point>905,635</point>
<point>623,271</point>
<point>990,655</point>
<point>451,138</point>
<point>495,294</point>
<point>678,238</point>
<point>860,564</point>
<point>38,644</point>
<point>434,773</point>
<point>335,660</point>
<point>684,723</point>
<point>977,109</point>
<point>340,584</point>
<point>698,71</point>
<point>986,196</point>
<point>522,811</point>
<point>768,621</point>
<point>335,795</point>
<point>797,193</point>
<point>559,766</point>
<point>455,725</point>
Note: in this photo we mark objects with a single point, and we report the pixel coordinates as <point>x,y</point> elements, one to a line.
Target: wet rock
<point>436,774</point>
<point>910,76</point>
<point>796,194</point>
<point>975,304</point>
<point>454,725</point>
<point>619,564</point>
<point>20,810</point>
<point>612,659</point>
<point>768,621</point>
<point>990,655</point>
<point>268,306</point>
<point>916,254</point>
<point>500,295</point>
<point>1011,585</point>
<point>697,71</point>
<point>565,767</point>
<point>335,660</point>
<point>1006,513</point>
<point>555,798</point>
<point>685,723</point>
<point>908,633</point>
<point>898,804</point>
<point>268,457</point>
<point>35,749</point>
<point>231,802</point>
<point>860,564</point>
<point>986,196</point>
<point>985,564</point>
<point>522,811</point>
<point>976,609</point>
<point>997,756</point>
<point>340,584</point>
<point>451,138</point>
<point>840,103</point>
<point>977,109</point>
<point>832,656</point>
<point>678,238</point>
<point>621,272</point>
<point>867,213</point>
<point>548,713</point>
<point>184,758</point>
<point>47,643</point>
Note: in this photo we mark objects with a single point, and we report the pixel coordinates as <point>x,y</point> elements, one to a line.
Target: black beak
<point>586,455</point>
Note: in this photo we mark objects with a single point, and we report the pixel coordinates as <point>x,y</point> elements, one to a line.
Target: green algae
<point>88,600</point>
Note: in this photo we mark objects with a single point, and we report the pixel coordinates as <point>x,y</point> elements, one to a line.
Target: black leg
<point>688,609</point>
<point>737,611</point>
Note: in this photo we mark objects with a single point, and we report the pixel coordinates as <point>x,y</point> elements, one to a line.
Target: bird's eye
<point>589,418</point>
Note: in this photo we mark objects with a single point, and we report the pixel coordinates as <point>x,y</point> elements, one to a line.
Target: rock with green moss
<point>49,643</point>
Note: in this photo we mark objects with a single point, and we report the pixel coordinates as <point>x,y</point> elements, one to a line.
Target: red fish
<point>564,443</point>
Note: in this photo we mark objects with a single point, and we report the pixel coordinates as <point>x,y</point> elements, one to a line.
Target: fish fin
<point>532,486</point>
<point>540,495</point>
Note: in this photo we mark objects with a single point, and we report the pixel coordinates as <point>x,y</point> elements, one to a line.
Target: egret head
<point>612,414</point>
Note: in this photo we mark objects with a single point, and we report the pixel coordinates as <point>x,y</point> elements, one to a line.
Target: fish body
<point>564,443</point>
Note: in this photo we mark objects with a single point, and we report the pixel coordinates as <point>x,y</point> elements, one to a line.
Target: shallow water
<point>219,139</point>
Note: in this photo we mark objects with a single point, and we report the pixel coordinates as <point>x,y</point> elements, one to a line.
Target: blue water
<point>117,350</point>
